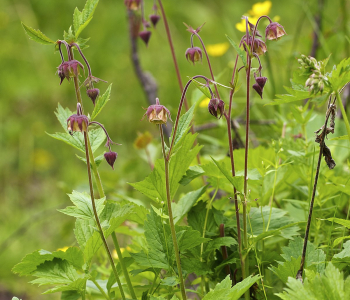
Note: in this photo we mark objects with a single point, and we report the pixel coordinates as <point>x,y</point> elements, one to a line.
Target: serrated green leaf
<point>241,287</point>
<point>96,136</point>
<point>340,75</point>
<point>202,88</point>
<point>188,238</point>
<point>83,231</point>
<point>342,259</point>
<point>343,137</point>
<point>192,173</point>
<point>240,52</point>
<point>70,295</point>
<point>193,265</point>
<point>83,18</point>
<point>101,102</point>
<point>184,124</point>
<point>69,36</point>
<point>181,208</point>
<point>345,223</point>
<point>218,242</point>
<point>236,181</point>
<point>83,206</point>
<point>98,159</point>
<point>287,269</point>
<point>37,36</point>
<point>153,186</point>
<point>294,95</point>
<point>327,286</point>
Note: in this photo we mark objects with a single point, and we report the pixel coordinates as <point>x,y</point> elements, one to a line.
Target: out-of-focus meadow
<point>37,171</point>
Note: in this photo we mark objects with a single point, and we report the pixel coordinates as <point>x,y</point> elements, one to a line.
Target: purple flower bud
<point>258,89</point>
<point>157,114</point>
<point>145,36</point>
<point>261,81</point>
<point>154,19</point>
<point>110,158</point>
<point>274,31</point>
<point>69,69</point>
<point>93,94</point>
<point>194,54</point>
<point>259,46</point>
<point>216,106</point>
<point>78,123</point>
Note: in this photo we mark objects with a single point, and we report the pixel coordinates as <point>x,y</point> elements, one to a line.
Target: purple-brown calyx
<point>132,4</point>
<point>216,107</point>
<point>194,54</point>
<point>93,94</point>
<point>145,36</point>
<point>157,114</point>
<point>154,19</point>
<point>259,46</point>
<point>69,69</point>
<point>78,123</point>
<point>110,158</point>
<point>274,31</point>
<point>259,85</point>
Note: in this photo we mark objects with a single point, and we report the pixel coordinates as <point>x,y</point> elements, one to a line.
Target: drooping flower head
<point>259,46</point>
<point>157,114</point>
<point>259,84</point>
<point>69,69</point>
<point>93,94</point>
<point>274,31</point>
<point>77,122</point>
<point>194,54</point>
<point>216,107</point>
<point>154,19</point>
<point>145,36</point>
<point>110,158</point>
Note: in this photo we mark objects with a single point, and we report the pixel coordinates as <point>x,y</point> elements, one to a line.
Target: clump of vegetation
<point>215,224</point>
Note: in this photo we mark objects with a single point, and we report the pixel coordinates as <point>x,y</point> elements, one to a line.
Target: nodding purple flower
<point>69,69</point>
<point>132,4</point>
<point>157,114</point>
<point>78,123</point>
<point>274,31</point>
<point>145,36</point>
<point>93,94</point>
<point>110,158</point>
<point>154,19</point>
<point>259,46</point>
<point>216,107</point>
<point>259,85</point>
<point>194,54</point>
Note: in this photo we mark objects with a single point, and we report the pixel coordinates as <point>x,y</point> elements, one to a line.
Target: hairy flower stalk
<point>91,162</point>
<point>158,115</point>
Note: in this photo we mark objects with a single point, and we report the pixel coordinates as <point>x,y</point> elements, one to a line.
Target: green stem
<point>86,138</point>
<point>153,284</point>
<point>273,194</point>
<point>123,266</point>
<point>171,219</point>
<point>340,103</point>
<point>100,289</point>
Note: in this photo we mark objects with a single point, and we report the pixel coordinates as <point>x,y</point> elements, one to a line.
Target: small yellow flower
<point>217,49</point>
<point>64,249</point>
<point>204,103</point>
<point>260,9</point>
<point>242,27</point>
<point>142,140</point>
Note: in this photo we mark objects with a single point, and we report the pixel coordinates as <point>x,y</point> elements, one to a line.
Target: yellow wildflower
<point>64,249</point>
<point>204,103</point>
<point>260,9</point>
<point>242,27</point>
<point>217,49</point>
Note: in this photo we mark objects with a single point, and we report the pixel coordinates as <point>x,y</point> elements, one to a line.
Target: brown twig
<point>147,81</point>
<point>322,136</point>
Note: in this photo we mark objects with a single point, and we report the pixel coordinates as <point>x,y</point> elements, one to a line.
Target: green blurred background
<point>37,171</point>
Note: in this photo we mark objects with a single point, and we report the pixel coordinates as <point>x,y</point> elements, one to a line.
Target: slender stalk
<point>100,289</point>
<point>170,213</point>
<point>299,275</point>
<point>224,252</point>
<point>89,154</point>
<point>122,264</point>
<point>97,219</point>
<point>172,50</point>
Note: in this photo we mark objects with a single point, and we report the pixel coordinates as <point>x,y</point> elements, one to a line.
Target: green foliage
<point>342,259</point>
<point>340,74</point>
<point>37,36</point>
<point>330,285</point>
<point>153,186</point>
<point>314,260</point>
<point>83,207</point>
<point>96,136</point>
<point>240,52</point>
<point>82,18</point>
<point>223,290</point>
<point>101,101</point>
